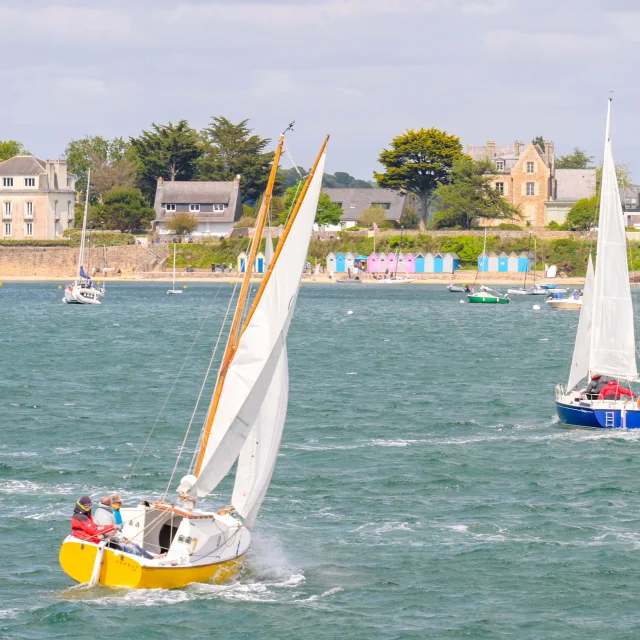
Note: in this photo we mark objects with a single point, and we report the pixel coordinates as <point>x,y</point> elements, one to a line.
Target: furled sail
<point>582,347</point>
<point>268,248</point>
<point>260,349</point>
<point>613,351</point>
<point>259,454</point>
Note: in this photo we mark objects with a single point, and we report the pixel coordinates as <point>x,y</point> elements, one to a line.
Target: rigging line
<point>295,166</point>
<point>175,381</point>
<point>202,388</point>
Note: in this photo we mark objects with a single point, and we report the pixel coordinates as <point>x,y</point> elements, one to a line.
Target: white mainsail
<point>582,347</point>
<point>613,350</point>
<point>260,349</point>
<point>259,454</point>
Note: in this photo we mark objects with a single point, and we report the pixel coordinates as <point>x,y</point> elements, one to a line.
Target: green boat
<point>488,297</point>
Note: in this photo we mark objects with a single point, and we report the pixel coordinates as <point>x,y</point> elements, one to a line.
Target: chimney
<point>51,173</point>
<point>236,181</point>
<point>516,148</point>
<point>491,149</point>
<point>61,172</point>
<point>160,181</point>
<point>550,151</point>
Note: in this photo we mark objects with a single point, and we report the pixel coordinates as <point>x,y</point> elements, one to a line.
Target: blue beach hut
<point>341,263</point>
<point>483,262</point>
<point>438,263</point>
<point>524,262</point>
<point>242,262</point>
<point>420,263</point>
<point>503,263</point>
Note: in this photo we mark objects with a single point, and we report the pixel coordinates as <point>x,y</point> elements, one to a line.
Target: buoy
<point>536,307</point>
<point>99,282</point>
<point>185,287</point>
<point>461,301</point>
<point>349,313</point>
<point>59,286</point>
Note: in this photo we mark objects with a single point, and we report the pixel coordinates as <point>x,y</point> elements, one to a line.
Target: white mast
<point>174,267</point>
<point>84,224</point>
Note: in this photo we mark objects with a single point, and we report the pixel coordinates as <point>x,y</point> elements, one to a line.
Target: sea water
<point>424,488</point>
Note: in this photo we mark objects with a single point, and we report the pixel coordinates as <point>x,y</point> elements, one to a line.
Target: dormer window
<point>194,208</point>
<point>219,207</point>
<point>170,207</point>
<point>29,182</point>
<point>7,182</point>
<point>500,165</point>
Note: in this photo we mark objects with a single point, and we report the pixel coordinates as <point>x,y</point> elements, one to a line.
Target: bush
<point>36,243</point>
<point>555,226</point>
<point>509,226</point>
<point>100,238</point>
<point>245,222</point>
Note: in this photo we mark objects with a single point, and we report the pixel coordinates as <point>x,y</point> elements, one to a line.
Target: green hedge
<point>100,238</point>
<point>35,243</point>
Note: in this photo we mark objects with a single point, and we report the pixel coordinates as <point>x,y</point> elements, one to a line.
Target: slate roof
<point>355,201</point>
<point>22,166</point>
<point>197,192</point>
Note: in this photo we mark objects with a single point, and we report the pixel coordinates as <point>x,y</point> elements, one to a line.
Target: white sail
<point>612,338</point>
<point>259,454</point>
<point>268,248</point>
<point>582,347</point>
<point>260,349</point>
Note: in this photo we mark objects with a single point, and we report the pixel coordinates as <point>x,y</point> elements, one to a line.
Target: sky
<point>362,70</point>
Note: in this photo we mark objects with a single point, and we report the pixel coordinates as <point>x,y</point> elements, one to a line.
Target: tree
<point>233,149</point>
<point>371,215</point>
<point>470,196</point>
<point>167,151</point>
<point>343,180</point>
<point>583,215</point>
<point>112,164</point>
<point>539,140</point>
<point>182,223</point>
<point>122,209</point>
<point>418,162</point>
<point>409,219</point>
<point>11,148</point>
<point>328,213</point>
<point>577,159</point>
<point>622,173</point>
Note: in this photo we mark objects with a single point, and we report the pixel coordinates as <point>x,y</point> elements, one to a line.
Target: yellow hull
<point>122,570</point>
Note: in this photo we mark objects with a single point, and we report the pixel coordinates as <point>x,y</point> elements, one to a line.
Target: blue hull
<point>597,418</point>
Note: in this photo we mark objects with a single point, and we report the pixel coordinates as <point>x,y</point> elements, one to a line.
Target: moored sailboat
<point>82,290</point>
<point>173,289</point>
<point>605,349</point>
<point>244,423</point>
<point>486,295</point>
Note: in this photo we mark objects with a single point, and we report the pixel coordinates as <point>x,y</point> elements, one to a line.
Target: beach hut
<point>428,263</point>
<point>451,262</point>
<point>360,263</point>
<point>408,263</point>
<point>419,263</point>
<point>340,263</point>
<point>373,263</point>
<point>503,263</point>
<point>331,262</point>
<point>260,264</point>
<point>438,263</point>
<point>392,263</point>
<point>242,262</point>
<point>483,262</point>
<point>493,262</point>
<point>525,262</point>
<point>349,261</point>
<point>513,262</point>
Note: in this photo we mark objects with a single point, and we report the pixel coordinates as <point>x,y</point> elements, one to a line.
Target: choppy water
<point>424,488</point>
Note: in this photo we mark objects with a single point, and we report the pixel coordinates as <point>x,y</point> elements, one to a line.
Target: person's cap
<point>85,503</point>
<point>116,498</point>
<point>596,377</point>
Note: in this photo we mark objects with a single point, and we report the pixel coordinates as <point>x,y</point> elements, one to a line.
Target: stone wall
<point>63,261</point>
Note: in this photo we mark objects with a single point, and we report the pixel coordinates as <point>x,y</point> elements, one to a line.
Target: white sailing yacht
<point>605,347</point>
<point>244,423</point>
<point>173,289</point>
<point>82,290</point>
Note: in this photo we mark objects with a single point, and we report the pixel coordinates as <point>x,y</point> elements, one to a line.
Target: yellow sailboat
<point>244,423</point>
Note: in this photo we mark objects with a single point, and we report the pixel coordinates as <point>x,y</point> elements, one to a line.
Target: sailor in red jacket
<point>612,391</point>
<point>83,526</point>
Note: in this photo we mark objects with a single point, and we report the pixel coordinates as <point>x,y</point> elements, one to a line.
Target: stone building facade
<point>37,198</point>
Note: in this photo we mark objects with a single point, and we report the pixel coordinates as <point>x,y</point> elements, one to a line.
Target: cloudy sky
<point>362,70</point>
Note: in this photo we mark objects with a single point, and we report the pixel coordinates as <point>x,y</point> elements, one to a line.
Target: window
<point>383,205</point>
<point>69,181</point>
<point>500,165</point>
<point>500,188</point>
<point>29,182</point>
<point>28,209</point>
<point>69,210</point>
<point>7,182</point>
<point>7,228</point>
<point>194,208</point>
<point>28,228</point>
<point>6,209</point>
<point>219,207</point>
<point>170,207</point>
<point>531,167</point>
<point>531,188</point>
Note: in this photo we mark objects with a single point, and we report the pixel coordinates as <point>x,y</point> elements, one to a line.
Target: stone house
<point>216,205</point>
<point>527,176</point>
<point>37,198</point>
<point>354,201</point>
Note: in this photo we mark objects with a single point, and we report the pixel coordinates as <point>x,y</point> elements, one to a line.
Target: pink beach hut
<point>407,263</point>
<point>373,263</point>
<point>392,263</point>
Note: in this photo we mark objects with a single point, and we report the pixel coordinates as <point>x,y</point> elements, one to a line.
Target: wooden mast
<point>285,234</point>
<point>232,341</point>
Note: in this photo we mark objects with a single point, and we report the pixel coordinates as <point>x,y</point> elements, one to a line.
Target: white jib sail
<point>582,347</point>
<point>613,349</point>
<point>260,348</point>
<point>259,454</point>
<point>268,248</point>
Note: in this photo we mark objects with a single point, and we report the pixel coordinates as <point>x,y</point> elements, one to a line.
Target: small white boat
<point>531,291</point>
<point>395,281</point>
<point>565,303</point>
<point>456,288</point>
<point>173,289</point>
<point>82,290</point>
